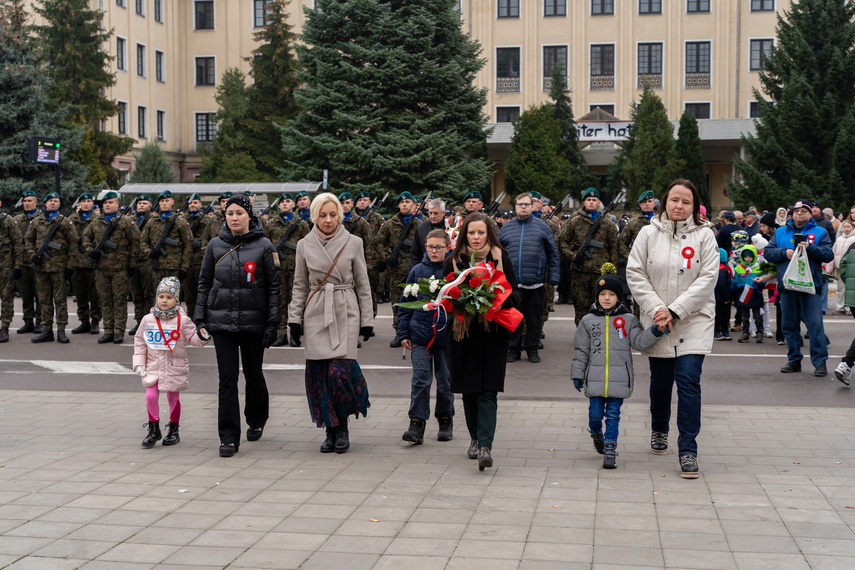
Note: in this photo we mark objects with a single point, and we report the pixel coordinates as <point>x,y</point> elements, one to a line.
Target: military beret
<point>345,196</point>
<point>86,196</point>
<point>363,194</point>
<point>417,199</point>
<point>28,193</point>
<point>537,195</point>
<point>144,198</point>
<point>249,193</point>
<point>474,194</point>
<point>51,196</point>
<point>163,195</point>
<point>225,195</point>
<point>404,196</point>
<point>195,196</point>
<point>590,191</point>
<point>287,196</point>
<point>110,195</point>
<point>301,193</point>
<point>546,202</point>
<point>646,195</point>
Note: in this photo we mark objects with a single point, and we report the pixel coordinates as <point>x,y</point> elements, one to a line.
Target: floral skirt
<point>335,389</point>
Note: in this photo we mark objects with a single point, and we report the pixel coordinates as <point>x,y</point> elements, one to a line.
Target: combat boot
<point>4,334</point>
<point>342,436</point>
<point>38,328</point>
<point>83,327</point>
<point>153,434</point>
<point>107,338</point>
<point>172,436</point>
<point>46,336</point>
<point>94,329</point>
<point>133,331</point>
<point>281,340</point>
<point>60,336</point>
<point>328,446</point>
<point>27,328</point>
<point>415,434</point>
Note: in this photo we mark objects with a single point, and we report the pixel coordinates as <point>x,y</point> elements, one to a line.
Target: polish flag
<point>747,291</point>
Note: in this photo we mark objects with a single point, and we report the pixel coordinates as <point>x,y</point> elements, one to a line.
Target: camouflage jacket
<point>360,228</point>
<point>388,237</point>
<point>374,223</point>
<point>122,249</point>
<point>275,230</point>
<point>178,246</point>
<point>198,251</point>
<point>61,247</point>
<point>23,228</point>
<point>629,233</point>
<point>78,259</point>
<point>11,246</point>
<point>604,244</point>
<point>212,230</point>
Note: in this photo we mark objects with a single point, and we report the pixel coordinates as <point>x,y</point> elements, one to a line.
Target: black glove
<point>392,262</point>
<point>96,255</point>
<point>153,254</point>
<point>381,267</point>
<point>80,245</point>
<point>131,271</point>
<point>365,332</point>
<point>182,274</point>
<point>68,273</point>
<point>37,261</point>
<point>17,274</point>
<point>203,336</point>
<point>296,332</point>
<point>270,335</point>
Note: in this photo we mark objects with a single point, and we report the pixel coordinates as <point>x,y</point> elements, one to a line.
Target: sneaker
<point>782,342</point>
<point>727,336</point>
<point>658,443</point>
<point>598,441</point>
<point>689,467</point>
<point>718,336</point>
<point>744,338</point>
<point>843,372</point>
<point>759,339</point>
<point>609,455</point>
<point>736,328</point>
<point>768,334</point>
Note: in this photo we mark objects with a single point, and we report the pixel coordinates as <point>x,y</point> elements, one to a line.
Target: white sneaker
<point>768,334</point>
<point>843,372</point>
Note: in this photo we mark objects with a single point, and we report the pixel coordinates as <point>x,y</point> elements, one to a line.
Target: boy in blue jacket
<point>722,297</point>
<point>426,340</point>
<point>748,290</point>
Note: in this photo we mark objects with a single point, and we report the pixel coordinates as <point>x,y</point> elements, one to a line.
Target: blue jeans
<point>424,365</point>
<point>797,308</point>
<point>600,407</point>
<point>686,372</point>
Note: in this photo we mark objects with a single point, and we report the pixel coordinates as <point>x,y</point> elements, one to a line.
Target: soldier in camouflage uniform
<point>83,278</point>
<point>276,229</point>
<point>51,273</point>
<point>11,262</point>
<point>198,222</point>
<point>27,282</point>
<point>216,221</point>
<point>363,203</point>
<point>354,223</point>
<point>647,203</point>
<point>178,246</point>
<point>398,265</point>
<point>604,248</point>
<point>303,203</point>
<point>114,264</point>
<point>142,290</point>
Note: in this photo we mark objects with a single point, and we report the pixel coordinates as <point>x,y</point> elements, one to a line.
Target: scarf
<point>167,314</point>
<point>481,255</point>
<point>305,213</point>
<point>649,215</point>
<point>108,217</point>
<point>85,215</point>
<point>287,217</point>
<point>165,214</point>
<point>52,215</point>
<point>323,237</point>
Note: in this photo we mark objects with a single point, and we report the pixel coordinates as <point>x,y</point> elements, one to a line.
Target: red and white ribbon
<point>443,293</point>
<point>619,326</point>
<point>688,254</point>
<point>249,267</point>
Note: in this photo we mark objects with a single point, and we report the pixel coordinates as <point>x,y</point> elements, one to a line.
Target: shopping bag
<point>798,276</point>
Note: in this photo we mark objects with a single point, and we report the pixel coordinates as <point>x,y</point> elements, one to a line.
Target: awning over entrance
<point>275,188</point>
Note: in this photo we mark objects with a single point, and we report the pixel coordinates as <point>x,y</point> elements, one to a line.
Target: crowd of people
<point>665,281</point>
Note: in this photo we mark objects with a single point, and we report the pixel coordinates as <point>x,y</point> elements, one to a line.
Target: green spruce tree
<point>239,167</point>
<point>152,167</point>
<point>71,41</point>
<point>24,113</point>
<point>231,139</point>
<point>803,145</point>
<point>389,101</point>
<point>690,152</point>
<point>535,162</point>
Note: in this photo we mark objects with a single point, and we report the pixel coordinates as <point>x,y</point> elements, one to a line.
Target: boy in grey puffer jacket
<point>603,360</point>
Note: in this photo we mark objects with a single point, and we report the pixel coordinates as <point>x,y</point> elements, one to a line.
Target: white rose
<point>433,285</point>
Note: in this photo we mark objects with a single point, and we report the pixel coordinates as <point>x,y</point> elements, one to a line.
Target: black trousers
<point>722,318</point>
<point>531,308</point>
<point>850,354</point>
<point>481,409</point>
<point>232,349</point>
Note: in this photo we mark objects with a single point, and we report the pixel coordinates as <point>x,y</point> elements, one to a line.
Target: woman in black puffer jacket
<point>238,304</point>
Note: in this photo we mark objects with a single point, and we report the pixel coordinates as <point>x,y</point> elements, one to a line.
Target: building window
<point>602,7</point>
<point>121,3</point>
<point>141,60</point>
<point>698,110</point>
<point>760,50</point>
<point>754,109</point>
<point>206,72</point>
<point>762,5</point>
<point>206,131</point>
<point>259,13</point>
<point>161,125</point>
<point>698,65</point>
<point>509,8</point>
<point>142,121</point>
<point>122,118</point>
<point>507,114</point>
<point>204,14</point>
<point>158,11</point>
<point>121,55</point>
<point>649,6</point>
<point>507,70</point>
<point>602,67</point>
<point>552,56</point>
<point>140,7</point>
<point>698,6</point>
<point>610,109</point>
<point>650,65</point>
<point>159,74</point>
<point>554,8</point>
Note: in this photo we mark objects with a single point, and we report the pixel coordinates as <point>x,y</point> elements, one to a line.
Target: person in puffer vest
<point>602,364</point>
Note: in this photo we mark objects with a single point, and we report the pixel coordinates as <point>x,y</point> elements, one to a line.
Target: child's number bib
<point>154,339</point>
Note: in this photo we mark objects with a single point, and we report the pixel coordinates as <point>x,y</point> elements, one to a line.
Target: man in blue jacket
<point>797,307</point>
<point>531,248</point>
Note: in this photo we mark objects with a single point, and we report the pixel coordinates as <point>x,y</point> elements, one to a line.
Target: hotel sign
<point>602,131</point>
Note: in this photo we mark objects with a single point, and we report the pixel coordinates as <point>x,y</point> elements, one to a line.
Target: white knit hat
<point>759,242</point>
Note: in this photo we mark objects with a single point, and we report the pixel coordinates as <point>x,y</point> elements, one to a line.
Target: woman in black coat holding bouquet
<point>477,357</point>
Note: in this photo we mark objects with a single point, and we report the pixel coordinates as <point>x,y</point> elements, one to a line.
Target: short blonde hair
<point>320,201</point>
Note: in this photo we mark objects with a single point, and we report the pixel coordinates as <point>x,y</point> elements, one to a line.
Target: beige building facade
<point>699,55</point>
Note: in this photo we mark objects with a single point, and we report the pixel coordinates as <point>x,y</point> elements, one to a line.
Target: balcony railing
<point>654,80</point>
<point>698,81</point>
<point>204,147</point>
<point>508,85</point>
<point>602,82</point>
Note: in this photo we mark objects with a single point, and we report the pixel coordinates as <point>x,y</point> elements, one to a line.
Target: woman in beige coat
<point>672,272</point>
<point>331,305</point>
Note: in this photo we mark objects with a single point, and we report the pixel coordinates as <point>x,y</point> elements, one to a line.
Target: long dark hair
<point>696,199</point>
<point>462,240</point>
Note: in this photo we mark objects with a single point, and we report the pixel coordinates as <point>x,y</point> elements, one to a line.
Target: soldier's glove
<point>182,274</point>
<point>131,271</point>
<point>366,332</point>
<point>140,370</point>
<point>153,254</point>
<point>17,274</point>
<point>68,272</point>
<point>392,262</point>
<point>296,332</point>
<point>578,383</point>
<point>381,267</point>
<point>96,255</point>
<point>270,335</point>
<point>36,260</point>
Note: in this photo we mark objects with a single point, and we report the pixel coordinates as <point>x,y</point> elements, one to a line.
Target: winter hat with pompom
<point>609,280</point>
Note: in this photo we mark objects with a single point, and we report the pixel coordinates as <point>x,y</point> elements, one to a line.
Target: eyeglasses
<point>524,204</point>
<point>435,247</point>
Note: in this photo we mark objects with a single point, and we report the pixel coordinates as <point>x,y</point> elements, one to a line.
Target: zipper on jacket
<point>519,266</point>
<point>606,392</point>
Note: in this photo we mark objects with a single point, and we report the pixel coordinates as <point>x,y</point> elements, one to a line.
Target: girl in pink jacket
<point>160,357</point>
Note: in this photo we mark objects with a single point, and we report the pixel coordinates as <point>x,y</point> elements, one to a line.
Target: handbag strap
<point>324,280</point>
<point>228,252</point>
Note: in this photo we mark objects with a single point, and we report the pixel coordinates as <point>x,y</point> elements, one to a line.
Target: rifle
<point>557,210</point>
<point>283,241</point>
<point>12,209</point>
<point>583,253</point>
<point>208,209</point>
<point>98,250</point>
<point>159,248</point>
<point>370,210</point>
<point>42,253</point>
<point>405,232</point>
<point>494,205</point>
<point>268,208</point>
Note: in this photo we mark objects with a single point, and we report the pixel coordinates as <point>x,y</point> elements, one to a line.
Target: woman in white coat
<point>672,272</point>
<point>331,306</point>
